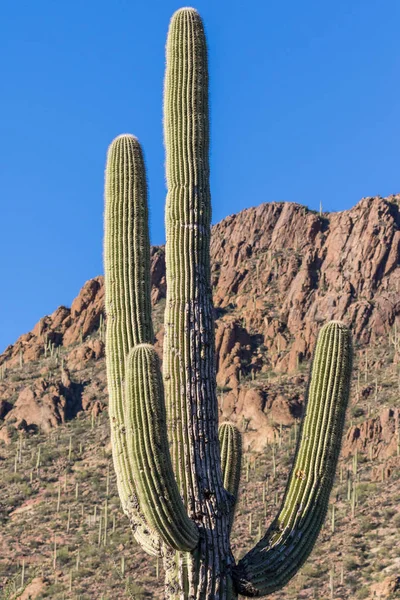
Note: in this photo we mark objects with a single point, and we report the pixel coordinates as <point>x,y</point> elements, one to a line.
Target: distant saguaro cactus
<point>180,501</point>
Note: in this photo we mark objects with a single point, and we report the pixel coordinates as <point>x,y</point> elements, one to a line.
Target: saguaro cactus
<point>180,495</point>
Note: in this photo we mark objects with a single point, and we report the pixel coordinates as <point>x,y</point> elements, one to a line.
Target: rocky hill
<point>279,271</point>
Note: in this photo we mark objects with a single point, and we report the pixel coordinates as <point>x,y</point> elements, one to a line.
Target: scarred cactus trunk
<point>188,364</point>
<point>179,495</point>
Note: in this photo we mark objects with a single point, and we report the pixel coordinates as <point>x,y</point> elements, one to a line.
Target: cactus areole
<point>177,477</point>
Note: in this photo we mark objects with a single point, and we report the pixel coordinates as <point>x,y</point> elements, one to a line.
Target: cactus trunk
<point>188,364</point>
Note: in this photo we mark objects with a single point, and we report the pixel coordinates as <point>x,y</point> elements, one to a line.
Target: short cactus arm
<point>230,441</point>
<point>291,537</point>
<point>148,448</point>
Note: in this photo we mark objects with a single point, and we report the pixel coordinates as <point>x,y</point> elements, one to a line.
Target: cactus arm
<point>126,286</point>
<point>188,363</point>
<point>148,448</point>
<point>127,301</point>
<point>291,537</point>
<point>145,478</point>
<point>230,441</point>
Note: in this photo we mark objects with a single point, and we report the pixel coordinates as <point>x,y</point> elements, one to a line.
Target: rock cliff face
<point>289,270</point>
<point>278,271</point>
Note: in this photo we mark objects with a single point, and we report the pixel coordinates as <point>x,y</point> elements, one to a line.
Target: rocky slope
<point>278,272</point>
<point>282,269</point>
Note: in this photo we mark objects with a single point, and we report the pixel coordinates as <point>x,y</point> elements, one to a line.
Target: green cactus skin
<point>129,329</point>
<point>193,509</point>
<point>291,537</point>
<point>230,441</point>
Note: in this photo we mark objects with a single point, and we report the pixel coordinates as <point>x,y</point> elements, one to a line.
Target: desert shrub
<point>351,564</point>
<point>362,593</point>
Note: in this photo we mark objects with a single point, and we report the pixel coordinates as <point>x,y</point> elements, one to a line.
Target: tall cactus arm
<point>291,537</point>
<point>146,429</point>
<point>127,301</point>
<point>230,441</point>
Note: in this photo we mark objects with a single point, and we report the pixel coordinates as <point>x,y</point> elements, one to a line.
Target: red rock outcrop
<point>289,269</point>
<point>85,311</point>
<point>258,411</point>
<point>386,588</point>
<point>233,346</point>
<point>248,413</point>
<point>80,355</point>
<point>379,436</point>
<point>45,404</point>
<point>34,589</point>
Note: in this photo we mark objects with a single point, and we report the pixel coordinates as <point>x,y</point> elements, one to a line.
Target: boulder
<point>385,588</point>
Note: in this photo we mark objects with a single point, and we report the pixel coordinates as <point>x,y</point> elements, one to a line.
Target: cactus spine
<point>180,502</point>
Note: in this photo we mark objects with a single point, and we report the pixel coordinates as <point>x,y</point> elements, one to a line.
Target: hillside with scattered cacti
<point>278,272</point>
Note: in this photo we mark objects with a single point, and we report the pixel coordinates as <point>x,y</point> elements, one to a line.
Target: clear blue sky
<point>304,107</point>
